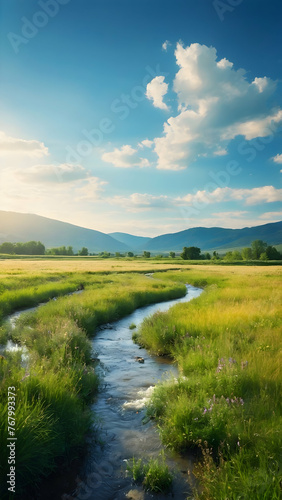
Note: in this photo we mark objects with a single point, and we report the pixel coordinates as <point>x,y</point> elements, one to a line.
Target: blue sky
<point>142,116</point>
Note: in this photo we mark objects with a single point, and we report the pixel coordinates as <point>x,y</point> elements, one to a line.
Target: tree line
<point>38,248</point>
<point>28,248</point>
<point>259,250</point>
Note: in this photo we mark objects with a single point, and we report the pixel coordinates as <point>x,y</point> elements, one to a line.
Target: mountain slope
<point>216,238</point>
<point>16,227</point>
<point>133,242</point>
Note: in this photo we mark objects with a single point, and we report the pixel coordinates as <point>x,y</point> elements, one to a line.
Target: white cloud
<point>224,63</point>
<point>49,196</point>
<point>234,214</point>
<point>254,196</point>
<point>216,103</point>
<point>53,173</point>
<point>220,152</point>
<point>261,83</point>
<point>271,215</point>
<point>139,202</point>
<point>201,199</point>
<point>89,189</point>
<point>147,143</point>
<point>165,45</point>
<point>253,128</point>
<point>156,90</point>
<point>11,145</point>
<point>125,157</point>
<point>277,158</point>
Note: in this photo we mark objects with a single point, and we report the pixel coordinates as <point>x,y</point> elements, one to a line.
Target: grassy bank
<point>227,344</point>
<point>55,384</point>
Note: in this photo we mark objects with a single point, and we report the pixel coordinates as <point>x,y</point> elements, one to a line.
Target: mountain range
<point>19,227</point>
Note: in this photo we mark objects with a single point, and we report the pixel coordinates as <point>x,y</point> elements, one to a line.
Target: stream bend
<point>127,385</point>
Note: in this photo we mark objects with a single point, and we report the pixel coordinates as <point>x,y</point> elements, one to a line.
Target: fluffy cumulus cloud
<point>216,103</point>
<point>14,146</point>
<point>200,199</point>
<point>277,159</point>
<point>53,173</point>
<point>125,157</point>
<point>156,90</point>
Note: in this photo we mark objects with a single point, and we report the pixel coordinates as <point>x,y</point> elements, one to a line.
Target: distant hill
<point>216,238</point>
<point>133,242</point>
<point>15,227</point>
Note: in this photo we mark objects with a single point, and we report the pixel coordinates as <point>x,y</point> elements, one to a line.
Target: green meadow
<point>227,401</point>
<point>226,404</point>
<point>58,381</point>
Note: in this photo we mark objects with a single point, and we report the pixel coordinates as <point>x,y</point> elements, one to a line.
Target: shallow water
<point>127,385</point>
<point>11,320</point>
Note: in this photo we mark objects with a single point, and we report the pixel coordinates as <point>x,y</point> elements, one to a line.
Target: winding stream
<point>119,407</point>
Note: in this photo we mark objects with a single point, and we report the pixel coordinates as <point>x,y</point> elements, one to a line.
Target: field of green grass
<point>227,344</point>
<point>227,402</point>
<point>54,387</point>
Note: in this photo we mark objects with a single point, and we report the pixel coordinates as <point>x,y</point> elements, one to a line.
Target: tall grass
<point>51,411</point>
<point>54,389</point>
<point>154,474</point>
<point>227,344</point>
<point>17,292</point>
